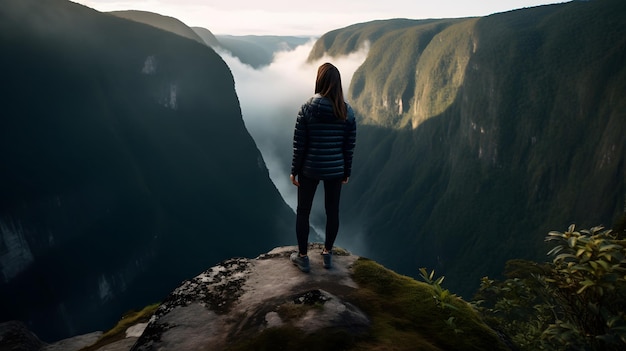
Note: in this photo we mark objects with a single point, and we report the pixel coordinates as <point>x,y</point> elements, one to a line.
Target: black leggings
<point>306,192</point>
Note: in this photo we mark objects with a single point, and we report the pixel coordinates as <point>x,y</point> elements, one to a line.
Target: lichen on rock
<point>241,297</point>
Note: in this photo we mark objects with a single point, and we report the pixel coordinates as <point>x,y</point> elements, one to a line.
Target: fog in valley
<point>270,98</point>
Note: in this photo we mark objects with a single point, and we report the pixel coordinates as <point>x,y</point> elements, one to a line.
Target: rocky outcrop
<point>241,297</point>
<point>266,303</point>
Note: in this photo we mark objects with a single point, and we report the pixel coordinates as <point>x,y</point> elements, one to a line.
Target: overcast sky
<point>309,18</point>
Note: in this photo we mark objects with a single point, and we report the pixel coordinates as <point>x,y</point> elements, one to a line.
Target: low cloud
<point>270,98</point>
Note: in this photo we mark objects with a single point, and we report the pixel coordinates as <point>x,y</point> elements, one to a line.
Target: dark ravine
<point>126,167</point>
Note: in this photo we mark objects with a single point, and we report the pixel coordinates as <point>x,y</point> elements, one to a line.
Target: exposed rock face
<point>242,297</point>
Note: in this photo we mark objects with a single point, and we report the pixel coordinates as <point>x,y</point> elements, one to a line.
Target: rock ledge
<point>242,297</point>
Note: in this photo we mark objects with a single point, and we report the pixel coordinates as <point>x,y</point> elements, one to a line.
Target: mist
<point>270,98</point>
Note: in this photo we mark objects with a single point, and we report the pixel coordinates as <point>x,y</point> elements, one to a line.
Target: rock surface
<point>241,297</point>
<point>75,343</point>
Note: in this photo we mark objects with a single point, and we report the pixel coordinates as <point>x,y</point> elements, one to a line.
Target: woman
<point>323,145</point>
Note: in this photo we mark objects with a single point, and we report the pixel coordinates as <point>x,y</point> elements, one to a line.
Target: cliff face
<point>126,167</point>
<point>478,136</point>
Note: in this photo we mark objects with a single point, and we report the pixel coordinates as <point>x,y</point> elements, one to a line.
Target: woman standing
<point>323,145</point>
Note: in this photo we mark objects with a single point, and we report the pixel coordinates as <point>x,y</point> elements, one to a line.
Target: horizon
<point>281,17</point>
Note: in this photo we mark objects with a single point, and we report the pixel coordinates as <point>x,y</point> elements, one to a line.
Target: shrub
<point>575,302</point>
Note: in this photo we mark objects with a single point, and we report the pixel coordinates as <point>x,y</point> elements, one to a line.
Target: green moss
<point>119,331</point>
<point>404,315</point>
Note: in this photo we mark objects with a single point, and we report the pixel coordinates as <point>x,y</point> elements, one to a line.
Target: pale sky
<point>309,18</point>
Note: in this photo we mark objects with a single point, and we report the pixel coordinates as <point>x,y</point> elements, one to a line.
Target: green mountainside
<point>478,136</point>
<point>345,40</point>
<point>126,167</point>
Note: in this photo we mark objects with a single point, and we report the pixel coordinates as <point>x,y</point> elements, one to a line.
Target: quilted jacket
<point>323,145</point>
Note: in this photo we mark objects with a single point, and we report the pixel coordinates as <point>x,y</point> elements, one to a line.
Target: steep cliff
<point>480,135</point>
<point>126,167</point>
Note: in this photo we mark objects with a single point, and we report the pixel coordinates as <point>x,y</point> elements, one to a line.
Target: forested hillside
<point>478,136</point>
<point>126,167</point>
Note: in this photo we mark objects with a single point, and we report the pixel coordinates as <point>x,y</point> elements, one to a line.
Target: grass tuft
<point>118,332</point>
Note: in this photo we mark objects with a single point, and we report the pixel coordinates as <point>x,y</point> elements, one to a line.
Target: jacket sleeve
<point>299,142</point>
<point>349,143</point>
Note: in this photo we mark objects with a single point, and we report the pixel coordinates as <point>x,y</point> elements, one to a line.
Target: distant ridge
<point>167,23</point>
<point>254,50</point>
<point>207,36</point>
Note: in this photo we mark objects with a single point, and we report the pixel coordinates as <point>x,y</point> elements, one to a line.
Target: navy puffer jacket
<point>323,145</point>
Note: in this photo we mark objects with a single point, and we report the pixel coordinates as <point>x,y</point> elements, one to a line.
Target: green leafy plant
<point>441,296</point>
<point>515,307</point>
<point>589,280</point>
<point>575,302</point>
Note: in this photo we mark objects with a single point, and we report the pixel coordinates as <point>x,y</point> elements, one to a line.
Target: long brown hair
<point>328,84</point>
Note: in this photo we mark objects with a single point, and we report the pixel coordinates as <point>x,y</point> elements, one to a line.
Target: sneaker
<point>302,262</point>
<point>328,258</point>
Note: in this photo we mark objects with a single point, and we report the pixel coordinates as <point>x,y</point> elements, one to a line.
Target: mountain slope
<point>207,36</point>
<point>349,39</point>
<point>478,136</point>
<point>167,23</point>
<point>126,167</point>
